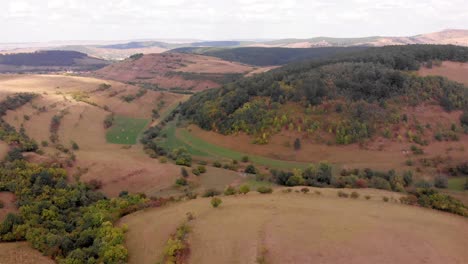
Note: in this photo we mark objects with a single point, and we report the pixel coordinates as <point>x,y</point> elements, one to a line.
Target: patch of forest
<point>365,91</point>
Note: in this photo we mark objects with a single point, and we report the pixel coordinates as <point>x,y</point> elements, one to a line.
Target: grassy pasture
<point>301,228</point>
<point>457,183</point>
<point>126,130</point>
<point>177,138</point>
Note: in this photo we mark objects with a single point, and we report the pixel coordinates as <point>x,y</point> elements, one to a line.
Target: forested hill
<point>366,83</point>
<point>51,60</point>
<point>260,56</point>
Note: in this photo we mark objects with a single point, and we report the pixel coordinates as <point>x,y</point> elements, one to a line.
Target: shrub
<point>305,190</point>
<point>409,199</point>
<point>2,204</point>
<point>297,144</point>
<point>196,172</point>
<point>181,182</point>
<point>211,192</point>
<point>184,172</point>
<point>250,169</point>
<point>75,145</point>
<point>201,168</point>
<point>367,197</point>
<point>245,159</point>
<point>190,216</point>
<point>423,184</point>
<point>264,189</point>
<point>342,194</point>
<point>416,150</point>
<point>44,143</point>
<point>95,184</point>
<point>385,199</point>
<point>409,162</point>
<point>354,195</point>
<point>288,190</point>
<point>244,189</point>
<point>464,118</point>
<point>216,202</point>
<point>217,164</point>
<point>230,190</point>
<point>318,192</point>
<point>441,181</point>
<point>380,183</point>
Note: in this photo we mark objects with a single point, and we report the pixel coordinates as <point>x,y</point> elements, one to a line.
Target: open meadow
<point>301,228</point>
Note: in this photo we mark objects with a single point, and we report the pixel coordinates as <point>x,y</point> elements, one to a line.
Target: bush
<point>342,194</point>
<point>288,190</point>
<point>250,169</point>
<point>196,172</point>
<point>367,197</point>
<point>181,182</point>
<point>201,168</point>
<point>264,189</point>
<point>385,199</point>
<point>380,183</point>
<point>354,195</point>
<point>245,159</point>
<point>423,184</point>
<point>230,191</point>
<point>297,144</point>
<point>44,143</point>
<point>216,202</point>
<point>2,204</point>
<point>441,181</point>
<point>75,145</point>
<point>95,184</point>
<point>184,172</point>
<point>305,190</point>
<point>416,150</point>
<point>318,192</point>
<point>244,189</point>
<point>409,199</point>
<point>211,192</point>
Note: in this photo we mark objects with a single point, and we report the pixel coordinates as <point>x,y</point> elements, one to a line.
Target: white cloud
<point>43,20</point>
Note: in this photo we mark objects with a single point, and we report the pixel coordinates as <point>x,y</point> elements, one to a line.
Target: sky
<point>52,20</point>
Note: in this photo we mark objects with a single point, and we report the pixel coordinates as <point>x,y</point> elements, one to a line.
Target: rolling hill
<point>175,72</point>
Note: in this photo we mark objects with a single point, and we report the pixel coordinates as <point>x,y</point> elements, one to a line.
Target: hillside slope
<point>300,228</point>
<point>173,71</point>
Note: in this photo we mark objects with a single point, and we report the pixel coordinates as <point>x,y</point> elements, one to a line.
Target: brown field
<point>119,168</point>
<point>21,253</point>
<point>298,228</point>
<point>8,200</point>
<point>3,149</point>
<point>166,70</point>
<point>380,153</point>
<point>455,71</point>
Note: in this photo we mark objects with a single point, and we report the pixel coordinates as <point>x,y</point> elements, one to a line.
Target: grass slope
<point>126,130</point>
<point>299,228</point>
<point>177,138</point>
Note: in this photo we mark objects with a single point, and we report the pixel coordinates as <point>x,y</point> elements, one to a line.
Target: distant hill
<point>449,36</point>
<point>54,60</point>
<point>261,56</point>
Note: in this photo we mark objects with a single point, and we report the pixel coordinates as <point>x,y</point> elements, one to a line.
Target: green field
<point>126,130</point>
<point>199,147</point>
<point>457,183</point>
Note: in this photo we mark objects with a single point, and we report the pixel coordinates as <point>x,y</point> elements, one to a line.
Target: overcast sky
<point>49,20</point>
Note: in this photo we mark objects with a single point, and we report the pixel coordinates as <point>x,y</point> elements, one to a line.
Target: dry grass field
<point>21,253</point>
<point>455,71</point>
<point>8,199</point>
<point>301,228</point>
<point>117,167</point>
